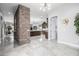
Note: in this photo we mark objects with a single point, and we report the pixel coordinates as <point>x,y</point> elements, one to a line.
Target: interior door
<point>53,27</point>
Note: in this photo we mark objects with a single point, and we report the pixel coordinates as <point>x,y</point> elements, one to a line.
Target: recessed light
<point>48,8</point>
<point>41,16</point>
<point>44,9</point>
<point>9,12</point>
<point>40,8</point>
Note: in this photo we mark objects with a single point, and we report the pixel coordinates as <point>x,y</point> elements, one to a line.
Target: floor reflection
<point>47,48</point>
<point>7,41</point>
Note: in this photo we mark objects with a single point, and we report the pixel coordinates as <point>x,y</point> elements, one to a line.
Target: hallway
<point>40,48</point>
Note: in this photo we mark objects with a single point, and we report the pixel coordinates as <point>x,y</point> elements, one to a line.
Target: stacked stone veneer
<point>22,24</point>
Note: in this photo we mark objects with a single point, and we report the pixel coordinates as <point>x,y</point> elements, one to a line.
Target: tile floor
<point>40,48</point>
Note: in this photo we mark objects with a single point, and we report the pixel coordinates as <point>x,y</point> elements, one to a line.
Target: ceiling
<point>10,8</point>
<point>35,8</point>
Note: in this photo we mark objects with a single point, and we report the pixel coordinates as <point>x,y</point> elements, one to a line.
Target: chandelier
<point>44,7</point>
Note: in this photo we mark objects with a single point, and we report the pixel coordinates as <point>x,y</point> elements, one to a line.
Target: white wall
<point>66,34</point>
<point>35,19</point>
<point>9,18</point>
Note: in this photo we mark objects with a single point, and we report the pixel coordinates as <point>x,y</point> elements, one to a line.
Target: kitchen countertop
<point>40,30</point>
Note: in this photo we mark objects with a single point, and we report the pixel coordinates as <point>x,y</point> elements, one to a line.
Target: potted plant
<point>76,23</point>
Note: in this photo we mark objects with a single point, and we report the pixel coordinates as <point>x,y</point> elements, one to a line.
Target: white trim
<point>69,44</point>
<point>49,28</point>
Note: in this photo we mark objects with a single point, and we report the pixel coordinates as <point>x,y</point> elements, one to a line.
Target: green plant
<point>76,23</point>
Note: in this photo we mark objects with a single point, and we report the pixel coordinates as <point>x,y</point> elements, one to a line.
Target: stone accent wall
<point>22,24</point>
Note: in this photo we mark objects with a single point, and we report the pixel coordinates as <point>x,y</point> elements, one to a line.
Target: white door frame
<point>49,27</point>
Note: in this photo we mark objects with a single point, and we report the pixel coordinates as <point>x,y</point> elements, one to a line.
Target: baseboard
<point>69,44</point>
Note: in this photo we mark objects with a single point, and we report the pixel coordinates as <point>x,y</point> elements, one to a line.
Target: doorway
<point>53,28</point>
